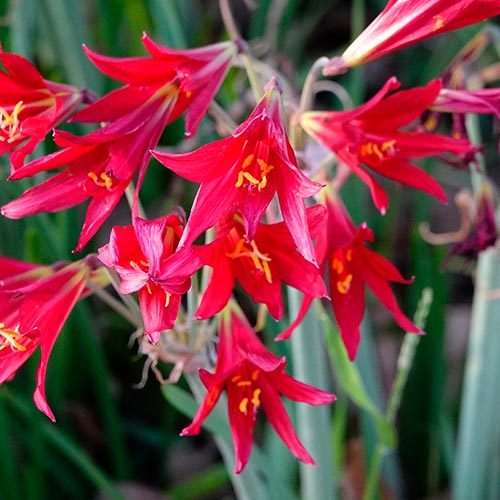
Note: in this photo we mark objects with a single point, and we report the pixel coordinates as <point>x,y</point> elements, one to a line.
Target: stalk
<point>313,423</point>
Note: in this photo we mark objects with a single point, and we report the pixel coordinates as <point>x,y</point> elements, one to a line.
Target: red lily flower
<point>102,164</point>
<point>462,101</point>
<point>145,257</point>
<point>260,265</point>
<point>34,305</point>
<point>195,73</point>
<point>405,22</point>
<point>243,172</point>
<point>351,265</point>
<point>29,106</point>
<point>252,377</point>
<point>371,135</point>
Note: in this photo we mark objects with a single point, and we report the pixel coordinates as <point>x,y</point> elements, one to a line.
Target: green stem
<point>313,423</point>
<point>247,484</point>
<point>405,362</point>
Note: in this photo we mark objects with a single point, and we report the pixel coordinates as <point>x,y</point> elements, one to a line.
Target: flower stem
<point>234,34</point>
<point>313,423</point>
<point>405,362</point>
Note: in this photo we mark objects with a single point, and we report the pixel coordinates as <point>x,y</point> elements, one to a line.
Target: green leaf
<point>350,380</point>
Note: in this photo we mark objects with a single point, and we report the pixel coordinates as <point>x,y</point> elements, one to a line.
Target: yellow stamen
<point>9,337</point>
<point>256,398</point>
<point>247,161</point>
<point>244,383</point>
<point>9,123</point>
<point>167,298</point>
<point>103,180</point>
<point>337,265</point>
<point>381,152</point>
<point>344,285</point>
<point>254,375</point>
<point>243,406</point>
<point>438,22</point>
<point>260,260</point>
<point>252,179</point>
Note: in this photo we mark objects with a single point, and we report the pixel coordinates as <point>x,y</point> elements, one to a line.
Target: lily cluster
<point>260,218</point>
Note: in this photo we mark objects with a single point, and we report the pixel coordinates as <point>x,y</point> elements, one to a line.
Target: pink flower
<point>252,378</point>
<point>243,172</point>
<point>145,257</point>
<point>371,136</point>
<point>405,22</point>
<point>35,301</point>
<point>260,265</point>
<point>29,106</point>
<point>351,266</point>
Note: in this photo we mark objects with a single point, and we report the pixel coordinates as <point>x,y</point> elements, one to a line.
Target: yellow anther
<point>256,398</point>
<point>255,375</point>
<point>135,266</point>
<point>243,383</point>
<point>9,123</point>
<point>438,22</point>
<point>348,254</point>
<point>337,265</point>
<point>247,161</point>
<point>167,298</point>
<point>244,175</point>
<point>381,151</point>
<point>243,406</point>
<point>103,180</point>
<point>250,178</point>
<point>344,285</point>
<point>430,124</point>
<point>9,337</point>
<point>148,288</point>
<point>259,260</point>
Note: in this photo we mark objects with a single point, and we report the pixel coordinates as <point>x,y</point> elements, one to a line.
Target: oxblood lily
<point>371,135</point>
<point>459,102</point>
<point>252,377</point>
<point>34,304</point>
<point>145,257</point>
<point>260,265</point>
<point>29,106</point>
<point>243,172</point>
<point>351,265</point>
<point>405,22</point>
<point>195,74</point>
<point>102,164</point>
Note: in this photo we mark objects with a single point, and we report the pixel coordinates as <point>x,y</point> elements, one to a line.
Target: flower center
<point>373,152</point>
<point>250,401</point>
<point>10,123</point>
<point>340,265</point>
<point>9,338</point>
<point>254,177</point>
<point>260,260</point>
<point>103,179</point>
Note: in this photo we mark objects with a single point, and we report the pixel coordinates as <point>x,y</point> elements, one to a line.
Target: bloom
<point>35,302</point>
<point>102,164</point>
<point>243,172</point>
<point>371,135</point>
<point>405,22</point>
<point>29,106</point>
<point>350,265</point>
<point>144,255</point>
<point>260,265</point>
<point>252,377</point>
<point>196,75</point>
